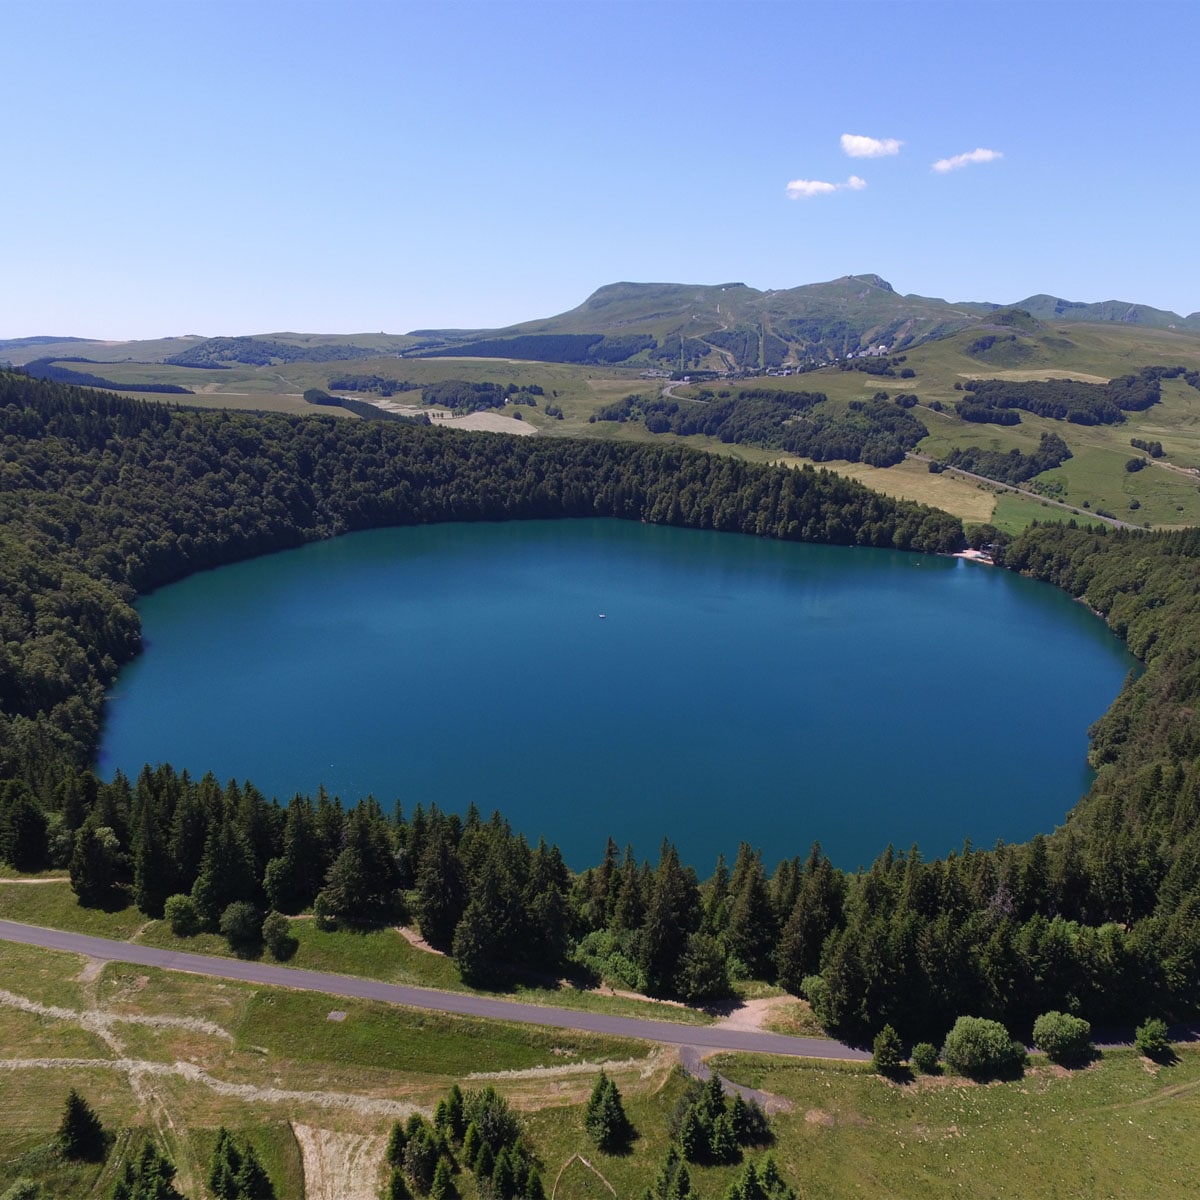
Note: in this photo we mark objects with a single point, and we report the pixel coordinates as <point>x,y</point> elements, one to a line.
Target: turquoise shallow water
<point>735,689</point>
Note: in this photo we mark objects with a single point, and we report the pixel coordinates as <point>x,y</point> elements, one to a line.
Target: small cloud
<point>962,160</point>
<point>804,189</point>
<point>857,146</point>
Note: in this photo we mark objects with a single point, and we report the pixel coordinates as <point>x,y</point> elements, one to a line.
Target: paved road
<point>706,1038</point>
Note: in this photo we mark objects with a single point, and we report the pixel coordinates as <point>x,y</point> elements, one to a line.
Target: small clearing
<point>753,1014</point>
<point>489,423</point>
<point>340,1166</point>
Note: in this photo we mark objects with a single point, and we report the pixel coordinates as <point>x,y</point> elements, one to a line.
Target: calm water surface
<point>734,688</point>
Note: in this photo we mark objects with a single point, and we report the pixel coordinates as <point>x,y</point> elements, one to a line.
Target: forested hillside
<point>102,498</point>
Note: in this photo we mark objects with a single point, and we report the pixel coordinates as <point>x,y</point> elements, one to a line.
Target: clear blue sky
<point>209,167</point>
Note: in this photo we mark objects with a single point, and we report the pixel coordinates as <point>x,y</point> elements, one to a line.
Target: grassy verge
<point>372,954</point>
<point>55,906</point>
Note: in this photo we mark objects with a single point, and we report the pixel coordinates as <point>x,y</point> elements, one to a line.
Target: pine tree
<point>439,1188</point>
<point>889,1053</point>
<point>604,1117</point>
<point>80,1133</point>
<point>397,1140</point>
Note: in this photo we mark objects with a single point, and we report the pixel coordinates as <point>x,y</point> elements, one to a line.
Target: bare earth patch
<point>340,1166</point>
<point>754,1014</point>
<point>414,939</point>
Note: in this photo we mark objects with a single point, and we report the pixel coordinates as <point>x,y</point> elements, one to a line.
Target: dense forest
<point>997,400</point>
<point>1012,466</point>
<point>870,431</point>
<point>102,498</point>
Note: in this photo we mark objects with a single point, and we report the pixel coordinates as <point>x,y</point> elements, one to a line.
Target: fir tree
<point>80,1133</point>
<point>604,1117</point>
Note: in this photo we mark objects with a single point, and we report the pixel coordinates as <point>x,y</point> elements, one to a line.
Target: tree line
<point>1071,400</point>
<point>871,431</point>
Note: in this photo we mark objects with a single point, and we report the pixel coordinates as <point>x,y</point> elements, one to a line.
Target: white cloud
<point>857,146</point>
<point>978,155</point>
<point>803,189</point>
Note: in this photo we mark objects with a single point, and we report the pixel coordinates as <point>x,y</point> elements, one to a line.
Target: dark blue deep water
<point>735,689</point>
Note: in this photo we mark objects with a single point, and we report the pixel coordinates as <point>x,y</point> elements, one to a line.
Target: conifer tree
<point>80,1134</point>
<point>604,1117</point>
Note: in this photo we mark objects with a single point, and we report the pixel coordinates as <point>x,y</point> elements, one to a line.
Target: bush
<point>1151,1038</point>
<point>1062,1037</point>
<point>982,1049</point>
<point>277,934</point>
<point>182,915</point>
<point>925,1058</point>
<point>23,1189</point>
<point>241,925</point>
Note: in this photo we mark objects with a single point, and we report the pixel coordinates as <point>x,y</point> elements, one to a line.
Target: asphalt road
<point>706,1038</point>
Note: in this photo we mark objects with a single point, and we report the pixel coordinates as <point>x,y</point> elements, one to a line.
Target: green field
<point>174,1056</point>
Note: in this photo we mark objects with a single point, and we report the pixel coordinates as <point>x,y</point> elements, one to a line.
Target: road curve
<point>706,1038</point>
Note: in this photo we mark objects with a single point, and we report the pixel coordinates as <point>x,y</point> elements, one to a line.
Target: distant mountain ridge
<point>731,326</point>
<point>669,326</point>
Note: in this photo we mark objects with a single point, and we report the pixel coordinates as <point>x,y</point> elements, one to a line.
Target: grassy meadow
<point>174,1056</point>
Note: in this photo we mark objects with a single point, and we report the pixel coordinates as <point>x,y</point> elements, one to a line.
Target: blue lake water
<point>734,689</point>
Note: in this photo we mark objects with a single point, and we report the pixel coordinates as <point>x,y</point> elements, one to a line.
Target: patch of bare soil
<point>754,1014</point>
<point>414,939</point>
<point>340,1166</point>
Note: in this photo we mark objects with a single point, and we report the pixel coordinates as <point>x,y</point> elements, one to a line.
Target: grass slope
<point>263,1060</point>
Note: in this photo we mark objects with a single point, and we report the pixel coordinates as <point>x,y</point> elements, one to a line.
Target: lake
<point>593,678</point>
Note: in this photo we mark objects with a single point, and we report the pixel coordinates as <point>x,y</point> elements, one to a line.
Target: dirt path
<point>45,879</point>
<point>414,939</point>
<point>340,1166</point>
<point>693,1063</point>
<point>135,1068</point>
<point>97,1020</point>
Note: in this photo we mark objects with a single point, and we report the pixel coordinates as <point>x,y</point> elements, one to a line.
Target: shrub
<point>925,1058</point>
<point>182,915</point>
<point>1062,1037</point>
<point>982,1049</point>
<point>277,934</point>
<point>23,1189</point>
<point>241,925</point>
<point>1151,1038</point>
